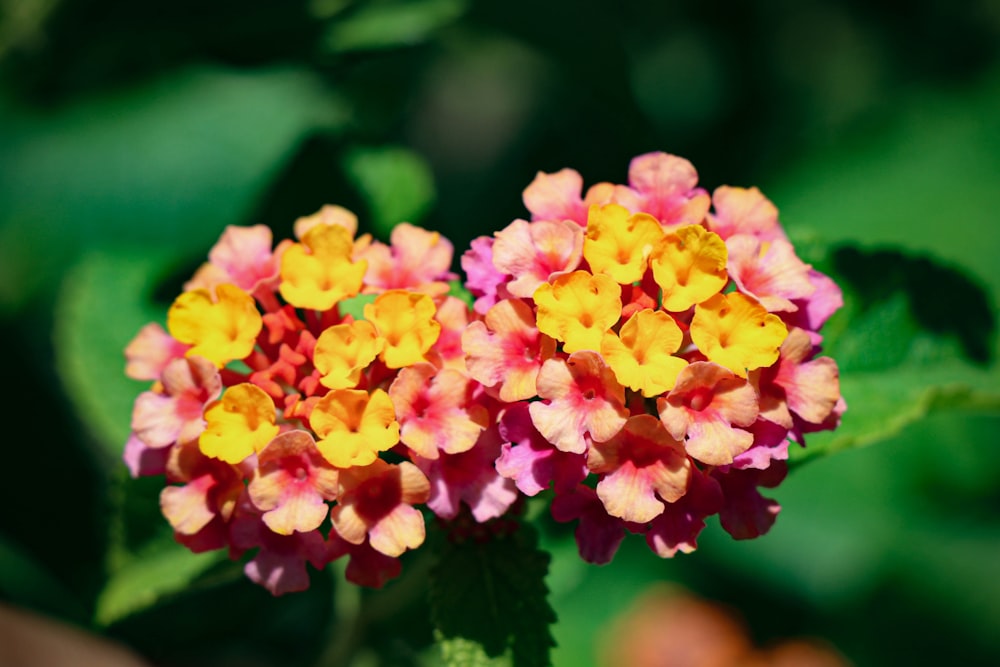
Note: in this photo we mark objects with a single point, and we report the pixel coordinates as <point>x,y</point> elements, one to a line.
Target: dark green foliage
<point>491,590</point>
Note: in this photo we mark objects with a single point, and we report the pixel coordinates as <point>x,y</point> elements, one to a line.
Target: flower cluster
<point>644,351</point>
<point>318,381</point>
<point>655,348</point>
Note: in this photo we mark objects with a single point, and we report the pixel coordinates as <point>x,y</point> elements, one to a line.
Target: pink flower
<point>376,501</point>
<point>280,563</point>
<point>745,513</point>
<point>201,506</point>
<point>678,526</point>
<point>291,482</point>
<point>584,398</point>
<point>415,260</point>
<point>768,271</point>
<point>505,351</point>
<point>642,466</point>
<point>556,197</point>
<point>159,419</point>
<point>483,280</point>
<point>242,257</point>
<point>798,388</point>
<point>598,535</point>
<point>744,211</point>
<point>704,406</point>
<point>533,252</point>
<point>471,478</point>
<point>150,351</point>
<point>436,410</point>
<point>667,189</point>
<point>365,565</point>
<point>530,460</point>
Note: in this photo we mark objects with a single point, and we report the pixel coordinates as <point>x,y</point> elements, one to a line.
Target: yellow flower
<point>735,331</point>
<point>241,423</point>
<point>689,266</point>
<point>318,272</point>
<point>354,426</point>
<point>343,351</point>
<point>220,330</point>
<point>405,320</point>
<point>577,308</point>
<point>618,243</point>
<point>641,355</point>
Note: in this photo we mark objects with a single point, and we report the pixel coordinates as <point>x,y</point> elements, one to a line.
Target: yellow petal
<point>689,265</point>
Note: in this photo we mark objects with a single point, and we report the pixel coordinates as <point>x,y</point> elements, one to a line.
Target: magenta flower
<point>470,478</point>
<point>667,189</point>
<point>531,461</point>
<point>769,271</point>
<point>415,260</point>
<point>678,526</point>
<point>598,534</point>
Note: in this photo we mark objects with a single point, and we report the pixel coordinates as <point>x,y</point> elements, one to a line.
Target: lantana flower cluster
<point>643,351</point>
<point>655,347</point>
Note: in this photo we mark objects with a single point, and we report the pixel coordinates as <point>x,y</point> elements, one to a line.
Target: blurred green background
<point>132,133</point>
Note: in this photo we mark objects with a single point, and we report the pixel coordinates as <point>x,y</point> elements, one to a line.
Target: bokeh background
<point>132,133</point>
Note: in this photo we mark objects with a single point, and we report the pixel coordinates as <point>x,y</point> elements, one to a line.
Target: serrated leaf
<point>396,184</point>
<point>165,568</point>
<point>383,25</point>
<point>104,301</point>
<point>493,593</point>
<point>166,163</point>
<point>462,652</point>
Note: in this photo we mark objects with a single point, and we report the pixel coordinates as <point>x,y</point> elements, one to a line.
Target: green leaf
<point>396,184</point>
<point>105,299</point>
<point>461,652</point>
<point>385,25</point>
<point>492,592</point>
<point>915,338</point>
<point>165,568</point>
<point>923,180</point>
<point>166,163</point>
<point>881,404</point>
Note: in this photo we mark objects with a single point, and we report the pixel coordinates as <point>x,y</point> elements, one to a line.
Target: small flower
<point>638,464</point>
<point>161,418</point>
<point>354,426</point>
<point>641,354</point>
<point>416,260</point>
<point>577,308</point>
<point>667,189</point>
<point>689,265</point>
<point>344,351</point>
<point>744,211</point>
<point>376,501</point>
<point>704,406</point>
<point>319,272</point>
<point>584,398</point>
<point>436,410</point>
<point>768,271</point>
<point>291,482</point>
<point>405,320</point>
<point>618,243</point>
<point>505,350</point>
<point>735,331</point>
<point>242,257</point>
<point>469,477</point>
<point>239,424</point>
<point>150,351</point>
<point>220,330</point>
<point>532,252</point>
<point>556,197</point>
